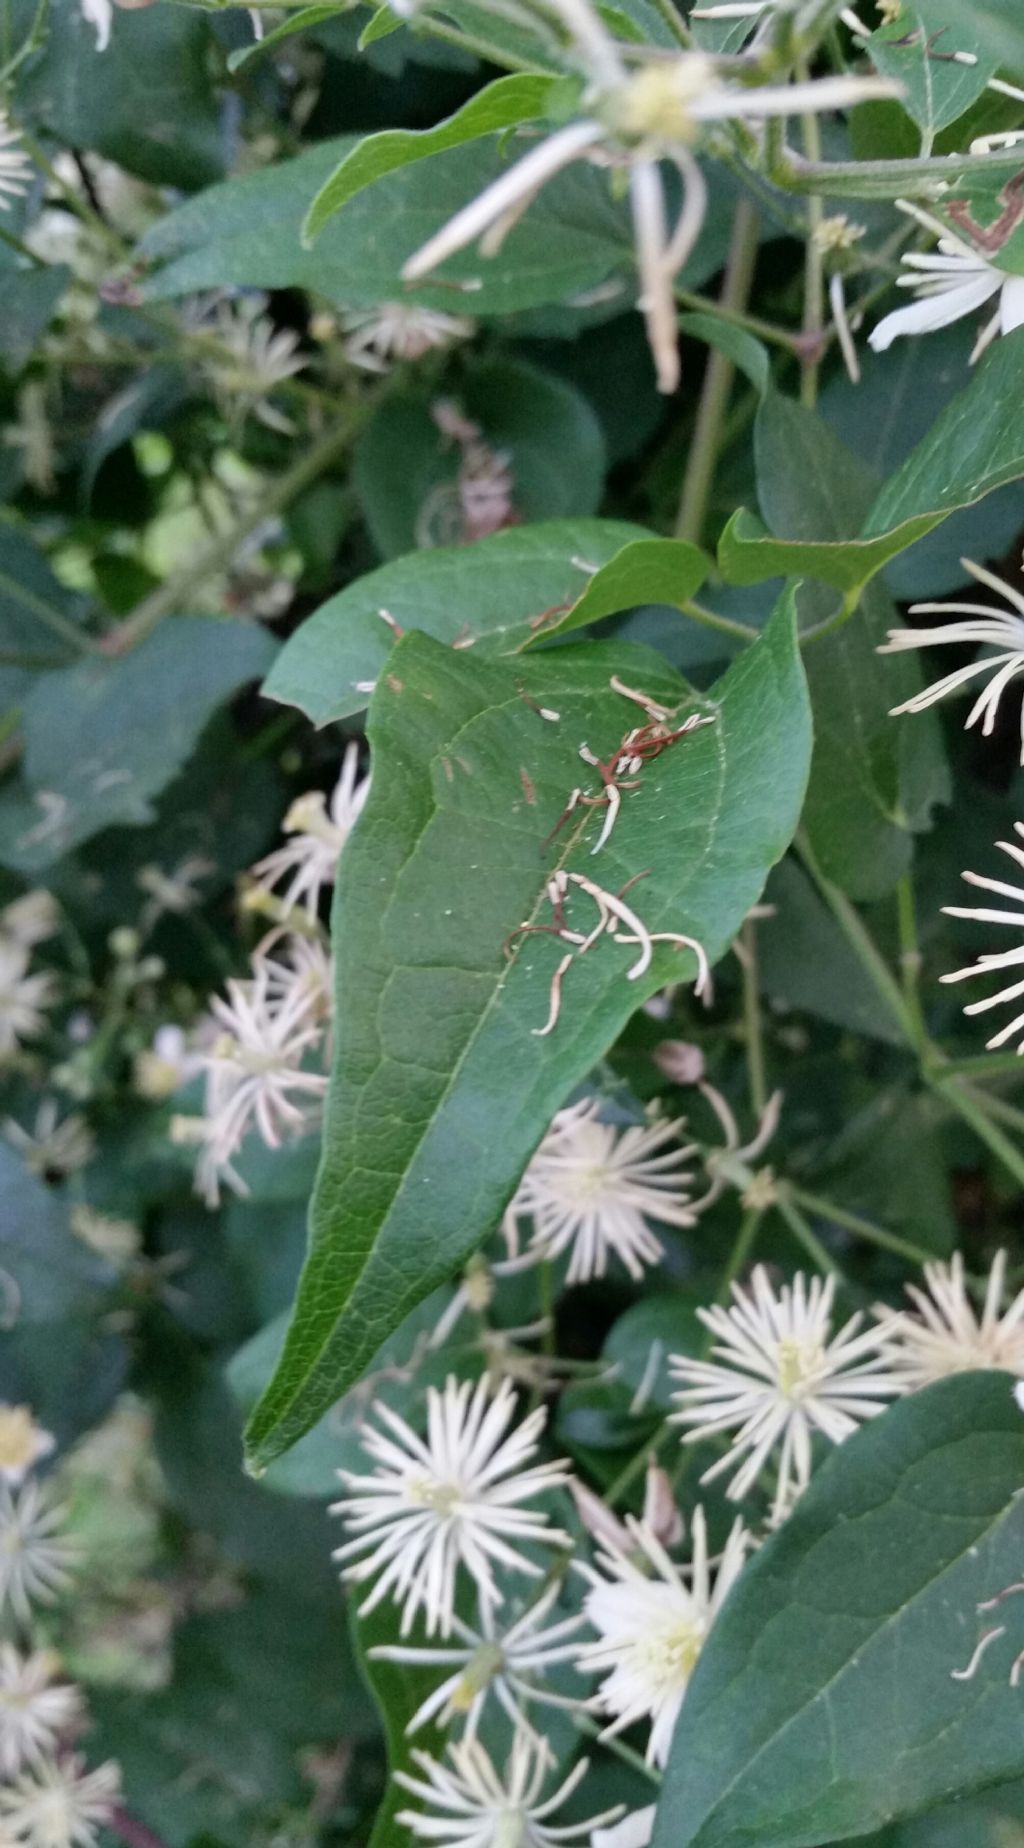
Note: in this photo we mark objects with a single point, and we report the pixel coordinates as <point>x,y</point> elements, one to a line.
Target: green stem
<point>1000,1110</point>
<point>719,373</point>
<point>814,274</point>
<point>805,1235</point>
<point>753,1026</point>
<point>45,613</point>
<point>179,588</point>
<point>972,1106</point>
<point>863,1228</point>
<point>751,323</point>
<point>983,1065</point>
<point>725,625</point>
<point>592,1730</point>
<point>886,179</point>
<point>848,607</point>
<point>858,937</point>
<point>742,1248</point>
<point>910,960</point>
<point>677,26</point>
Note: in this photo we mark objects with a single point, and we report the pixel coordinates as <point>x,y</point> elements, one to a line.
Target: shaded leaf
<point>30,300</point>
<point>405,469</point>
<point>823,1705</point>
<point>441,1088</point>
<point>872,781</point>
<point>974,446</point>
<point>147,101</point>
<point>84,768</point>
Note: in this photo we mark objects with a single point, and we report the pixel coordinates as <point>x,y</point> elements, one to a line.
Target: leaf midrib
<point>510,702</point>
<point>824,1692</point>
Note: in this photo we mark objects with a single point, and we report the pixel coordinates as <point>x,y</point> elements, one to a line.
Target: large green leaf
<point>85,767</point>
<point>873,782</point>
<point>493,590</point>
<point>442,1088</point>
<point>246,233</point>
<point>974,446</point>
<point>997,24</point>
<point>824,1705</point>
<point>501,105</point>
<point>147,101</point>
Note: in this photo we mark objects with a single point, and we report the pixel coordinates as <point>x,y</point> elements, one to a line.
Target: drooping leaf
<point>442,1087</point>
<point>884,417</point>
<point>84,767</point>
<point>494,591</point>
<point>500,105</point>
<point>661,571</point>
<point>246,232</point>
<point>974,446</point>
<point>824,1704</point>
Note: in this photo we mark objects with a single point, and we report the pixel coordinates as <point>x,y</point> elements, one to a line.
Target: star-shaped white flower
<point>308,863</point>
<point>59,1804</point>
<point>23,997</point>
<point>639,118</point>
<point>34,1560</point>
<point>34,1712</point>
<point>779,1376</point>
<point>15,166</point>
<point>451,1498</point>
<point>945,1334</point>
<point>653,1618</point>
<point>991,961</point>
<point>510,1664</point>
<point>469,1803</point>
<point>950,283</point>
<point>591,1188</point>
<point>984,627</point>
<point>256,1070</point>
<point>375,338</point>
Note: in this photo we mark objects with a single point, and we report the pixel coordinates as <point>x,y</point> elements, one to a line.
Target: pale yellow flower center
<point>443,1497</point>
<point>654,104</point>
<point>19,1437</point>
<point>798,1366</point>
<point>480,1670</point>
<point>668,1657</point>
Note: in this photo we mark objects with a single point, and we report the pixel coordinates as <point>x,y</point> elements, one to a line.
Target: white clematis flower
<point>779,1376</point>
<point>994,960</point>
<point>653,1618</point>
<point>985,627</point>
<point>451,1498</point>
<point>950,283</point>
